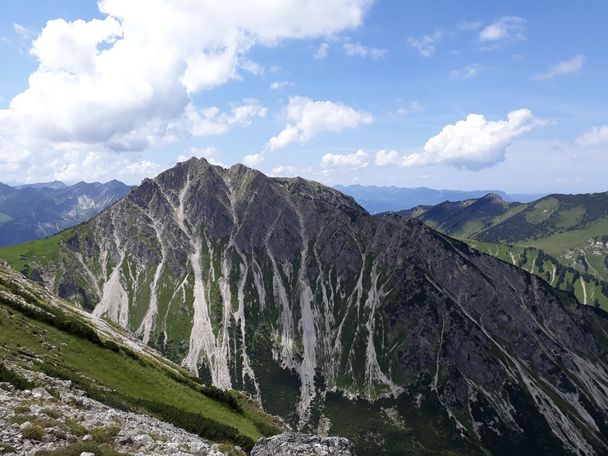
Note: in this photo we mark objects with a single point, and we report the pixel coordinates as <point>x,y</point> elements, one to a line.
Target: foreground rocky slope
<point>34,422</point>
<point>373,327</point>
<point>72,381</point>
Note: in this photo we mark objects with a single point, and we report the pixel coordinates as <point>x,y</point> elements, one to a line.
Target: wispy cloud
<point>277,85</point>
<point>570,66</point>
<point>469,25</point>
<point>426,44</point>
<point>359,50</point>
<point>594,136</point>
<point>23,31</point>
<point>468,72</point>
<point>504,30</point>
<point>409,108</point>
<point>252,67</point>
<point>321,52</point>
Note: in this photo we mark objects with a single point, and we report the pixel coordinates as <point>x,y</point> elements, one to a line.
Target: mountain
<point>6,190</point>
<point>71,374</point>
<point>55,185</point>
<point>375,328</point>
<point>36,211</point>
<point>562,238</point>
<point>383,199</point>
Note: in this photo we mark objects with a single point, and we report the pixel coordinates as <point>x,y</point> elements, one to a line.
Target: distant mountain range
<point>35,211</point>
<point>378,199</point>
<point>56,185</point>
<point>562,238</point>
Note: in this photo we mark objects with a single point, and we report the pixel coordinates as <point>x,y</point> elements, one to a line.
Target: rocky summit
<point>376,328</point>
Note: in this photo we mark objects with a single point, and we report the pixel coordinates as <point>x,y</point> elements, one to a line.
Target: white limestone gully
<point>202,338</point>
<point>375,378</point>
<point>114,303</point>
<point>149,320</point>
<point>308,331</point>
<point>239,317</point>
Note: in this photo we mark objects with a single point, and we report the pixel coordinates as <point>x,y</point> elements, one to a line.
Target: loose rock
<point>295,444</point>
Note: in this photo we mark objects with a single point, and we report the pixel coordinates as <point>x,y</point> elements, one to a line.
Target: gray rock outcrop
<point>296,444</point>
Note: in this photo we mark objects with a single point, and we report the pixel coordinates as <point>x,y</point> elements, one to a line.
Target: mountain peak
<point>493,196</point>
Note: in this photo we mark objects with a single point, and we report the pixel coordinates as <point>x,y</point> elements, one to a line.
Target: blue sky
<point>464,95</point>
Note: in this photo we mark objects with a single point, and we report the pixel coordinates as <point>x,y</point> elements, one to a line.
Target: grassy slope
<point>554,270</point>
<point>138,380</point>
<point>557,243</point>
<point>561,226</point>
<point>42,251</point>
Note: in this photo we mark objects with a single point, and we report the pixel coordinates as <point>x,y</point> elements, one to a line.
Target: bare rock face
<point>296,444</point>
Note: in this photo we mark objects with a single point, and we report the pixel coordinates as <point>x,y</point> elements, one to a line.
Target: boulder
<point>296,444</point>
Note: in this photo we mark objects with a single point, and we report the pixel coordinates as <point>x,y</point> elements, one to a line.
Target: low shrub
<point>105,434</point>
<point>33,433</point>
<point>51,412</point>
<point>198,424</point>
<point>18,381</point>
<point>76,449</point>
<point>22,410</point>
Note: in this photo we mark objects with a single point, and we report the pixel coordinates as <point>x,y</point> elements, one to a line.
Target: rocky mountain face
<point>376,328</point>
<point>36,211</point>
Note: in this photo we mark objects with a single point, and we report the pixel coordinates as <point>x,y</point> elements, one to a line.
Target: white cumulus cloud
<point>594,136</point>
<point>475,142</point>
<point>253,160</point>
<point>388,158</point>
<point>352,161</point>
<point>570,66</point>
<point>309,118</point>
<point>126,82</point>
